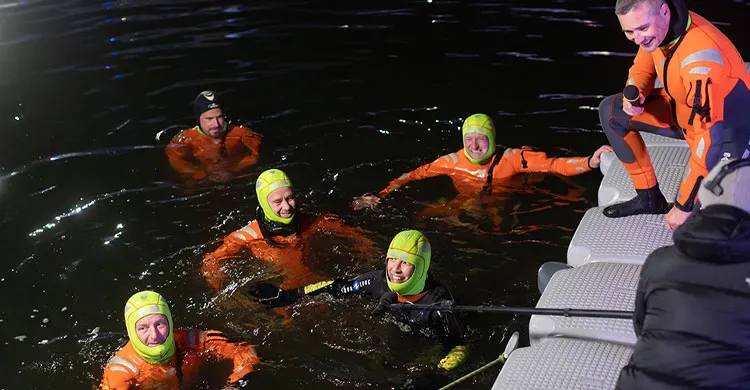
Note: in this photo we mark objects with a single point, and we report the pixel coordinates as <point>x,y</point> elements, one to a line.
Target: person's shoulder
<point>251,231</point>
<point>241,130</point>
<point>185,136</point>
<point>452,158</point>
<point>125,360</point>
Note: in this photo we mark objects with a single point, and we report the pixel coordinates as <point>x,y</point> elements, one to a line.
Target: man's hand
<point>675,217</point>
<point>366,200</point>
<point>596,158</point>
<point>632,110</point>
<point>273,296</point>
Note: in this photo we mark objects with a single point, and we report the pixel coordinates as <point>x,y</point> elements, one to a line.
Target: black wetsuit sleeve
<point>370,283</point>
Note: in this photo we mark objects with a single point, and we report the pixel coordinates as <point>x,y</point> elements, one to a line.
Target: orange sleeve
<point>642,73</point>
<point>117,377</point>
<point>179,153</point>
<point>252,141</point>
<point>334,225</point>
<point>213,261</point>
<point>442,166</point>
<point>528,160</point>
<point>242,354</point>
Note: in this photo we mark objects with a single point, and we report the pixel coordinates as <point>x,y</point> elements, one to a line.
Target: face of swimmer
<point>152,329</point>
<point>476,145</point>
<point>282,202</point>
<point>212,122</point>
<point>399,271</point>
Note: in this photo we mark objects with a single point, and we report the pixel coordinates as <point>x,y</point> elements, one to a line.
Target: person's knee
<point>611,117</point>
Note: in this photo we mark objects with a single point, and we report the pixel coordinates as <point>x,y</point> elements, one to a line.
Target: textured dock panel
<point>617,240</point>
<point>669,163</point>
<point>564,364</point>
<point>658,140</point>
<point>596,286</point>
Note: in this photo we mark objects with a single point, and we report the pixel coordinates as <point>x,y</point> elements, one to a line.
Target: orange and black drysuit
<point>195,155</point>
<point>705,100</point>
<point>468,177</point>
<point>128,370</point>
<point>287,251</point>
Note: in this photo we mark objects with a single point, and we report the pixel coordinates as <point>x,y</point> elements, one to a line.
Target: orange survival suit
<point>705,100</point>
<point>128,370</point>
<point>468,177</point>
<point>195,155</point>
<point>287,251</point>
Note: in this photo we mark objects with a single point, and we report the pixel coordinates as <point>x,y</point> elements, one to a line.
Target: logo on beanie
<point>209,95</point>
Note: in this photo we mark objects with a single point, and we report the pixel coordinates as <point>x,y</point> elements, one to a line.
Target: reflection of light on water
<point>60,217</point>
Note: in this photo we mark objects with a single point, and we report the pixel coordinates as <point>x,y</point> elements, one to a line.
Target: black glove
<point>273,296</point>
<point>384,303</point>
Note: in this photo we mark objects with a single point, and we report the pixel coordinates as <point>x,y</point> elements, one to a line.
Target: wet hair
<point>622,7</point>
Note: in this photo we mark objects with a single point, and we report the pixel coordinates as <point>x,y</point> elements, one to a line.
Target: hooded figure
<point>204,102</point>
<point>140,305</point>
<point>409,247</point>
<point>692,306</point>
<point>213,149</point>
<point>268,182</point>
<point>473,168</point>
<point>281,235</point>
<point>412,247</point>
<point>480,124</point>
<point>176,362</point>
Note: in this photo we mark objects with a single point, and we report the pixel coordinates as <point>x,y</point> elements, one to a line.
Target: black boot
<point>648,201</point>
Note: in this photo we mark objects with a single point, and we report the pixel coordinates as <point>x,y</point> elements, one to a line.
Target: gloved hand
<point>384,303</point>
<point>455,357</point>
<point>273,296</point>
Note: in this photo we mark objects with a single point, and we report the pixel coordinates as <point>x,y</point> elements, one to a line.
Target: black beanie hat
<point>205,101</point>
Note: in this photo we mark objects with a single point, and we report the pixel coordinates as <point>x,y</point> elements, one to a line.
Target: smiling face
<point>476,145</point>
<point>282,202</point>
<point>399,271</point>
<point>646,25</point>
<point>152,329</point>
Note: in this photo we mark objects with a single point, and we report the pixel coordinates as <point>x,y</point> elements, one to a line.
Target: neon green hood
<point>410,246</point>
<point>482,124</point>
<point>140,305</point>
<point>268,182</point>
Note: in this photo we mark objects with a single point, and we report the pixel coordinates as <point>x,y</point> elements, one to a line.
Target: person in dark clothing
<point>406,279</point>
<point>692,305</point>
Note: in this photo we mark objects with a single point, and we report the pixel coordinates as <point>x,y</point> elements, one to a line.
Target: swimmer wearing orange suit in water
<point>474,167</point>
<point>281,235</point>
<point>158,356</point>
<point>213,150</point>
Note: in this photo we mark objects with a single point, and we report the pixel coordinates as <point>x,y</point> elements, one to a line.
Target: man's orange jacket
<point>288,253</point>
<point>195,155</point>
<point>707,82</point>
<point>127,369</point>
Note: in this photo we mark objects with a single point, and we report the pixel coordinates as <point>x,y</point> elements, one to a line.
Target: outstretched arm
<point>527,160</point>
<point>364,245</point>
<point>441,166</point>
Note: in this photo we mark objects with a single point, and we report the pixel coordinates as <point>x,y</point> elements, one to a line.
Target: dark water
<point>348,95</point>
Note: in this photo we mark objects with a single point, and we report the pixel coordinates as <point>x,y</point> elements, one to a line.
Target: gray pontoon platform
<point>596,286</point>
